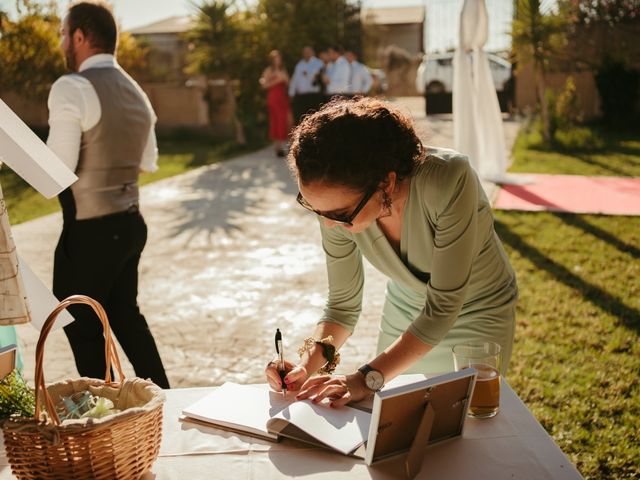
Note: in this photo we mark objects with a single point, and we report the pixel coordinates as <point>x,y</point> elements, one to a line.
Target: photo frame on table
<point>409,418</point>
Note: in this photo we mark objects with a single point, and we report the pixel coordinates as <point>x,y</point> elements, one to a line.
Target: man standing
<point>361,79</point>
<point>102,127</point>
<point>303,88</point>
<point>322,77</point>
<point>339,73</point>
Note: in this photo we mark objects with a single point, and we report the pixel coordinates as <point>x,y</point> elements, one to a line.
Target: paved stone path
<point>230,257</point>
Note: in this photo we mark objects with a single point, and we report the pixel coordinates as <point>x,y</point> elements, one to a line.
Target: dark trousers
<point>304,103</point>
<point>99,258</point>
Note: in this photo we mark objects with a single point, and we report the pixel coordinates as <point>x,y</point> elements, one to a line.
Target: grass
<point>176,156</point>
<point>576,361</point>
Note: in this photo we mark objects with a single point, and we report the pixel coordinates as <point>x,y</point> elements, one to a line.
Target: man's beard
<point>70,58</point>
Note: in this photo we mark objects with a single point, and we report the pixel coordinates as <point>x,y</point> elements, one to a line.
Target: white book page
<point>343,429</point>
<point>243,407</point>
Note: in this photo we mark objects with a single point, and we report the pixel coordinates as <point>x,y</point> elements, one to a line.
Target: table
<point>512,445</point>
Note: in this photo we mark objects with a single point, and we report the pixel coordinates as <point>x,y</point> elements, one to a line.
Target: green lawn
<point>24,203</point>
<point>576,362</point>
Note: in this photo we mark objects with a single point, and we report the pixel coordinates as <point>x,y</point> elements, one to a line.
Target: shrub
<point>565,125</point>
<point>566,109</point>
<point>577,138</point>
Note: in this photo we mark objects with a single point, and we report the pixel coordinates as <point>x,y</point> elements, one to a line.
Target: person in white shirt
<point>304,89</point>
<point>361,79</point>
<point>102,127</point>
<point>339,73</point>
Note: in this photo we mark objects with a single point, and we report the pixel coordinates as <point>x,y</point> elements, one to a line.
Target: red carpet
<point>573,194</point>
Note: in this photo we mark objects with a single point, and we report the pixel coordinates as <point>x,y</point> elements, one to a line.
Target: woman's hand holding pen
<point>312,360</point>
<point>295,378</point>
<point>340,389</point>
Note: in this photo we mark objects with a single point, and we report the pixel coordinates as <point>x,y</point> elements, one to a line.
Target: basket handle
<point>110,352</point>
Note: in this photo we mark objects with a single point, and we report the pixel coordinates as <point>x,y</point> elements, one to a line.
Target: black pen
<point>280,353</point>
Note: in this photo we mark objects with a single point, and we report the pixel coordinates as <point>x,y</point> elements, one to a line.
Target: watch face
<point>374,380</point>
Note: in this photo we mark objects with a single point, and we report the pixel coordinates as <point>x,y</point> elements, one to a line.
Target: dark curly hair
<point>354,143</point>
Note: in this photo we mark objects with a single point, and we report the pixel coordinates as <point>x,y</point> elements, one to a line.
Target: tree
<point>227,43</point>
<point>215,51</point>
<point>291,25</point>
<point>603,38</point>
<point>612,12</point>
<point>30,55</point>
<point>132,55</point>
<point>536,38</point>
<point>232,39</point>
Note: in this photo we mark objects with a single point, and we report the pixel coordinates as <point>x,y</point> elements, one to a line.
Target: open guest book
<point>408,415</point>
<point>257,411</point>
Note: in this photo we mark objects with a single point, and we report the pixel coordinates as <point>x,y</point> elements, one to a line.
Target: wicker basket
<point>121,445</point>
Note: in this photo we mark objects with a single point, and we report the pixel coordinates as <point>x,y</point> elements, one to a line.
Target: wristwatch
<point>373,379</point>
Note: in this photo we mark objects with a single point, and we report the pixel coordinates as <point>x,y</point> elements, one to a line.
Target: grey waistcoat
<point>111,151</point>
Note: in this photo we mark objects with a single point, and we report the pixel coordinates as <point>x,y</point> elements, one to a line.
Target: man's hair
<point>96,22</point>
<point>354,143</point>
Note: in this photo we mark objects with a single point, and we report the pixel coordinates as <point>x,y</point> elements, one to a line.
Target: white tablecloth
<point>512,445</point>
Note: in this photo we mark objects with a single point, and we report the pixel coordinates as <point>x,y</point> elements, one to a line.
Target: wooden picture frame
<point>409,418</point>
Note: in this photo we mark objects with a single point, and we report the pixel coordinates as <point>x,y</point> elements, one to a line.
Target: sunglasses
<point>346,220</point>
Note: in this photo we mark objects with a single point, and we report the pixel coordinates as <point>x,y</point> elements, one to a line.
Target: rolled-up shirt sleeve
<point>346,278</point>
<point>66,114</point>
<point>454,248</point>
<point>149,161</point>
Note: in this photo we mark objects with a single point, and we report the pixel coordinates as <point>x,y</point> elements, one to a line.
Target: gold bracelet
<point>328,352</point>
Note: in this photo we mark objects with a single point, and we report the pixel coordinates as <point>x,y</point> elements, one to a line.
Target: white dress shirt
<point>74,108</point>
<point>303,76</point>
<point>339,74</point>
<point>361,79</point>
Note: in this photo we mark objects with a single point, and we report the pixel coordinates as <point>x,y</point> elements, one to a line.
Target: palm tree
<point>536,36</point>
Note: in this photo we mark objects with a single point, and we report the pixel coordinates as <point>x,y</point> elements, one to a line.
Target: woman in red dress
<point>275,80</point>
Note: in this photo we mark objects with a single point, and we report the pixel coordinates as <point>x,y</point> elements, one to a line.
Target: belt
<point>129,211</point>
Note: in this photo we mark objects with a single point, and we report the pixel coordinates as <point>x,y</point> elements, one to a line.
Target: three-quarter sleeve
<point>345,275</point>
<point>452,187</point>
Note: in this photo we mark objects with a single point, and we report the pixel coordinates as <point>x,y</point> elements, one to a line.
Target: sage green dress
<point>452,282</point>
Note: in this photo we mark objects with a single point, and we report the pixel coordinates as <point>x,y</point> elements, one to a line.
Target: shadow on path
<point>221,195</point>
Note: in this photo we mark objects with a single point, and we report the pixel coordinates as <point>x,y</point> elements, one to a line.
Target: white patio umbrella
<point>477,121</point>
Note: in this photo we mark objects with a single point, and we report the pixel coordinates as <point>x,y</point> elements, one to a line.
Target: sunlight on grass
<point>576,361</point>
